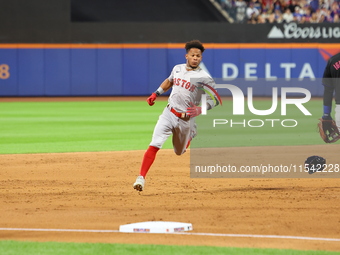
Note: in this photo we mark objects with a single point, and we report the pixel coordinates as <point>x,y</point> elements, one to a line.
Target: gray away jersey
<point>188,87</point>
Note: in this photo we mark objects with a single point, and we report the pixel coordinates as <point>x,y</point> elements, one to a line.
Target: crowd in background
<point>282,11</point>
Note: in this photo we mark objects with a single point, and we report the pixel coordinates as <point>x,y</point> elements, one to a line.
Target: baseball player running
<point>178,117</point>
<point>331,83</point>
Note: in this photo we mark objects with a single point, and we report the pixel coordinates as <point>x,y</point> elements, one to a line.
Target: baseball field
<point>68,165</point>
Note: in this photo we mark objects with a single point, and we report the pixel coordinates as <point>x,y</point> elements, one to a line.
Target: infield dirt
<point>94,191</point>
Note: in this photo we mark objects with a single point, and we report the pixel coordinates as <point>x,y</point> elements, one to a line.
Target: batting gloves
<point>194,110</point>
<point>151,99</point>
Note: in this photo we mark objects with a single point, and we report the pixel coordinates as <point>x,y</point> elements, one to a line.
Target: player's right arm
<point>164,87</point>
<point>327,82</point>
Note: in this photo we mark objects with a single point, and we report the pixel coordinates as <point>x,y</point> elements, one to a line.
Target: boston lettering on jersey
<point>185,84</point>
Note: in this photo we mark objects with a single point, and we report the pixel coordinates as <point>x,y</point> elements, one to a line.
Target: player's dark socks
<point>149,157</point>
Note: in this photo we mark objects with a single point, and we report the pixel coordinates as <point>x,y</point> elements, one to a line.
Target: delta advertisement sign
<point>272,62</point>
<point>276,65</point>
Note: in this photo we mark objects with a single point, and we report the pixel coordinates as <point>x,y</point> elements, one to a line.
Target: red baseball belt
<point>181,115</point>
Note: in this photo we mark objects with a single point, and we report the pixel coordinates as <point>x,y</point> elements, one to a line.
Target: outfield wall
<point>138,69</point>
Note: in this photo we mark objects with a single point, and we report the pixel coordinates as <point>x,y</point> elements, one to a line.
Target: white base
<point>155,227</point>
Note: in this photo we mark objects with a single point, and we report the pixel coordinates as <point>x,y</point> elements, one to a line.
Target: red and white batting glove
<point>194,110</point>
<point>151,99</point>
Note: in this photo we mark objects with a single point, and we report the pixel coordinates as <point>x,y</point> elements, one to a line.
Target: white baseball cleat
<point>139,184</point>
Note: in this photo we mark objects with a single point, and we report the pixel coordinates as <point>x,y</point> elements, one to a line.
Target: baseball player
<point>331,83</point>
<point>178,117</point>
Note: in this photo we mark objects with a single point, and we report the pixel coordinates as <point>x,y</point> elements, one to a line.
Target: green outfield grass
<point>53,248</point>
<point>40,127</point>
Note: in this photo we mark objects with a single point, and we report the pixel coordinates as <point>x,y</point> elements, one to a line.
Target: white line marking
<point>264,236</point>
<point>179,233</point>
<point>59,230</point>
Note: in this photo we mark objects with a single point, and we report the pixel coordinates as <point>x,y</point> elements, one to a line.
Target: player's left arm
<point>213,98</point>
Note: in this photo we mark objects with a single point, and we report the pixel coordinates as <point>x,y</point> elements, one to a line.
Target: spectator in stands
<point>314,4</point>
<point>335,9</point>
<point>278,17</point>
<point>267,4</point>
<point>302,20</point>
<point>303,4</point>
<point>271,17</point>
<point>258,5</point>
<point>297,15</point>
<point>262,18</point>
<point>314,18</point>
<point>252,12</point>
<point>278,5</point>
<point>322,19</point>
<point>253,19</point>
<point>298,11</point>
<point>287,16</point>
<point>324,4</point>
<point>324,15</point>
<point>292,6</point>
<point>307,14</point>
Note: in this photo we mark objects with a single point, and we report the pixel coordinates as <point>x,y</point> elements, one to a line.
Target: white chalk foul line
<point>264,236</point>
<point>179,233</point>
<point>59,230</point>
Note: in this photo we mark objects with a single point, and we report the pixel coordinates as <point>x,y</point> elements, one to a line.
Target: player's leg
<point>181,136</point>
<point>193,131</point>
<point>162,131</point>
<point>337,115</point>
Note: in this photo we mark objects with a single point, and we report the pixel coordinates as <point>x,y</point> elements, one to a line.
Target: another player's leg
<point>337,115</point>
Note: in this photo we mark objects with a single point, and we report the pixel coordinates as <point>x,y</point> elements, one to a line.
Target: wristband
<point>159,91</point>
<point>327,109</point>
